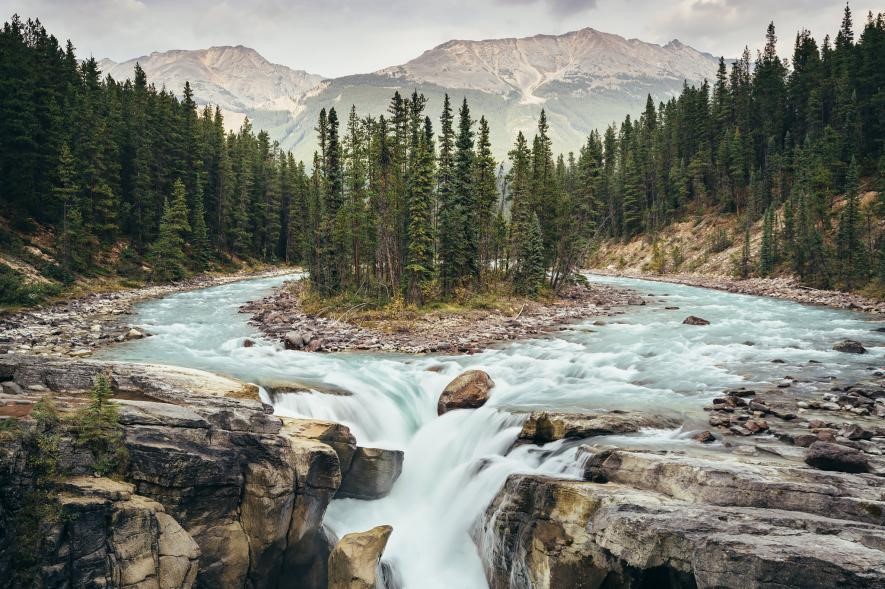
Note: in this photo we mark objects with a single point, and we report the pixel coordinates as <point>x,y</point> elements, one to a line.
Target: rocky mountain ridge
<point>585,79</point>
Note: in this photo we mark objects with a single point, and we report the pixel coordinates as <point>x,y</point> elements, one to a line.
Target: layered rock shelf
<point>762,506</point>
<point>218,492</point>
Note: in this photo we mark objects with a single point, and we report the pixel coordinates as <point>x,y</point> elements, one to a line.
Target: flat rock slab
<point>542,427</point>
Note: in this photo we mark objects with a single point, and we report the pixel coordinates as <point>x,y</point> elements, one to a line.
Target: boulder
<point>830,456</point>
<point>133,334</point>
<point>294,340</point>
<point>545,533</point>
<point>849,346</point>
<point>704,437</point>
<point>316,344</point>
<point>692,320</point>
<point>542,427</point>
<point>355,561</point>
<point>855,432</point>
<point>333,434</point>
<point>468,391</point>
<point>372,473</point>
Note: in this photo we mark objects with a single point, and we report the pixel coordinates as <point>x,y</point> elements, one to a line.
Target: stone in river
<point>469,390</point>
<point>692,320</point>
<point>849,346</point>
<point>294,340</point>
<point>704,437</point>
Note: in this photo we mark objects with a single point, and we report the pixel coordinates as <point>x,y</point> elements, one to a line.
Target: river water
<point>644,359</point>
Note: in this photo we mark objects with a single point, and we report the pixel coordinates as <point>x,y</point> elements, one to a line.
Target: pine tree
<point>744,261</point>
<point>768,247</point>
<point>850,249</point>
<point>631,212</point>
<point>457,244</point>
<point>200,248</point>
<point>420,270</point>
<point>167,252</point>
<point>486,194</point>
<point>520,182</point>
<point>544,189</point>
<point>529,276</point>
<point>65,193</point>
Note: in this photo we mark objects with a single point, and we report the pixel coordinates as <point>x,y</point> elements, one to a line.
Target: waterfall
<point>456,463</point>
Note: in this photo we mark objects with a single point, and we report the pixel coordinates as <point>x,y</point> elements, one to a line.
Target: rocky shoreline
<point>786,488</point>
<point>77,327</point>
<point>779,288</point>
<point>216,492</point>
<point>788,492</point>
<point>281,317</point>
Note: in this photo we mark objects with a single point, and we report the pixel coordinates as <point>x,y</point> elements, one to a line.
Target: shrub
<point>658,263</point>
<point>96,427</point>
<point>16,291</point>
<point>676,257</point>
<point>32,518</point>
<point>719,242</point>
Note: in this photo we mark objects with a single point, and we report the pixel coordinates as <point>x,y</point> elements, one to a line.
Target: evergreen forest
<point>139,181</point>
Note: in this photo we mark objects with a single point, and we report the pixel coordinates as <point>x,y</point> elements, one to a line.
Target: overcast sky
<point>337,37</point>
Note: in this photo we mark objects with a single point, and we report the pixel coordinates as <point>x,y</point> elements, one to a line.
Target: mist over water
<point>644,359</point>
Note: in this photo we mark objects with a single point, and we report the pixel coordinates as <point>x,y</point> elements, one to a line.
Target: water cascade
<point>644,358</point>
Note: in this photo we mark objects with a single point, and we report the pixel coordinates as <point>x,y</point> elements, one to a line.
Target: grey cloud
<point>338,37</point>
<point>557,7</point>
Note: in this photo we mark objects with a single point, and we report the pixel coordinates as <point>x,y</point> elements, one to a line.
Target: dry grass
<point>396,316</point>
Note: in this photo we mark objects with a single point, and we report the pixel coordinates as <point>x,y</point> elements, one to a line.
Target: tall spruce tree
<point>850,249</point>
<point>168,251</point>
<point>420,267</point>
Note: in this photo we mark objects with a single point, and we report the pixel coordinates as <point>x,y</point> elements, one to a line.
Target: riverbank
<point>779,288</point>
<point>216,491</point>
<point>77,327</point>
<point>282,317</point>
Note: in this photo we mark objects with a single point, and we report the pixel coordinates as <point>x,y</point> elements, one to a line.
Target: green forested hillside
<point>119,176</point>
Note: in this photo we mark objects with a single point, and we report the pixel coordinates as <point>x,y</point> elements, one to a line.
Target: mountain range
<point>584,79</point>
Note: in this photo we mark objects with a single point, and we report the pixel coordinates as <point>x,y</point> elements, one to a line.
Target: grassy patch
<point>394,315</point>
<point>17,291</point>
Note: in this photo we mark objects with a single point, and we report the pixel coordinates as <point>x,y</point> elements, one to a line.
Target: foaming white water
<point>455,464</point>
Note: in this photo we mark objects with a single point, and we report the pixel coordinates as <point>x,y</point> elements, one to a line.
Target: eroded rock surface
<point>542,426</point>
<point>546,533</point>
<point>207,456</point>
<point>372,473</point>
<point>355,561</point>
<point>649,519</point>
